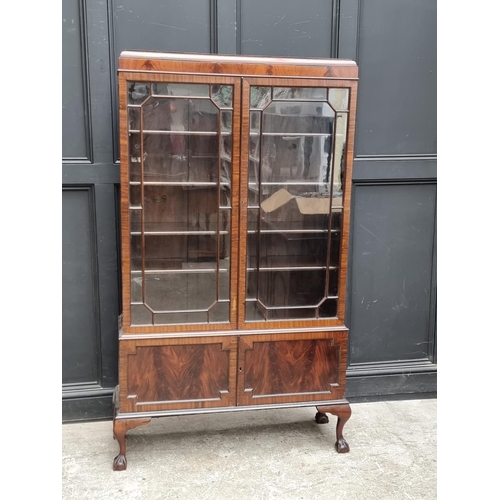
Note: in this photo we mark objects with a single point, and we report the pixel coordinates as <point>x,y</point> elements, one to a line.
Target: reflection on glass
<point>137,92</point>
<point>226,147</point>
<point>134,145</point>
<point>134,118</point>
<point>180,318</point>
<point>180,202</point>
<point>255,122</point>
<point>180,89</point>
<point>298,118</point>
<point>140,314</point>
<point>135,196</point>
<point>180,158</point>
<point>293,217</point>
<point>184,115</point>
<point>220,313</point>
<point>297,159</point>
<point>333,283</point>
<point>254,147</point>
<point>339,99</point>
<point>180,292</point>
<point>259,97</point>
<point>222,95</point>
<point>291,288</point>
<point>181,208</point>
<point>339,154</point>
<point>227,121</point>
<point>302,93</point>
<point>328,309</point>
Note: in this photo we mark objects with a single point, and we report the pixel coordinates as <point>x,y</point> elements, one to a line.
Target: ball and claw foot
<point>321,418</point>
<point>341,446</point>
<point>120,463</point>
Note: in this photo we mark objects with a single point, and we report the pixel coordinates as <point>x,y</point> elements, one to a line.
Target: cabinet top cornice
<point>237,64</point>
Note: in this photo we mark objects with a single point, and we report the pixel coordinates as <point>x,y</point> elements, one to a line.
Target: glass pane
<point>252,247</point>
<point>135,196</point>
<point>225,192</point>
<point>254,312</point>
<point>135,220</point>
<point>253,196</point>
<point>333,283</point>
<point>339,99</point>
<point>340,154</point>
<point>180,89</point>
<point>134,118</point>
<point>180,318</point>
<point>252,219</point>
<point>220,313</point>
<point>180,235</point>
<point>296,159</point>
<point>134,146</point>
<point>259,96</point>
<point>137,92</point>
<point>227,121</point>
<point>254,148</point>
<point>224,278</point>
<point>255,122</point>
<point>226,147</point>
<point>185,115</point>
<point>298,118</point>
<point>223,95</point>
<point>180,291</point>
<point>281,250</point>
<point>140,315</point>
<point>136,288</point>
<point>291,288</point>
<point>291,210</point>
<point>251,285</point>
<point>298,214</point>
<point>299,93</point>
<point>335,249</point>
<point>180,158</point>
<point>328,309</point>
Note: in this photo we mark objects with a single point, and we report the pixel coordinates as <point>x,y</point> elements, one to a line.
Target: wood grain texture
<point>291,368</point>
<point>347,202</point>
<point>236,65</point>
<point>124,199</point>
<point>177,373</point>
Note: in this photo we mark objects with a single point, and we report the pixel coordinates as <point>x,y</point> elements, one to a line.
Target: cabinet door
<point>289,368</point>
<point>177,373</point>
<point>179,166</point>
<point>296,160</point>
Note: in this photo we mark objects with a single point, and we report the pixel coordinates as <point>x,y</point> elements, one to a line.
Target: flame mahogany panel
<point>280,369</point>
<point>179,374</point>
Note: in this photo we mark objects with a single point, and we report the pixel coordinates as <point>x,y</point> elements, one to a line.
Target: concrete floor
<point>260,455</point>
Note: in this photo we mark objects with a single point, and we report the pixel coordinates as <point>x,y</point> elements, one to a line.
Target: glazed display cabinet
<point>235,202</point>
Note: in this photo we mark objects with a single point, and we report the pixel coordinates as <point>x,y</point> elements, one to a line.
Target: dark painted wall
<point>392,300</point>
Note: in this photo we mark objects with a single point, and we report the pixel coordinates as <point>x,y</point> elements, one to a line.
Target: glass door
<point>180,168</point>
<point>294,181</point>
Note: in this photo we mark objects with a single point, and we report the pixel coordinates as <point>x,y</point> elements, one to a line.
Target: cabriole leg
<point>343,413</point>
<point>120,429</point>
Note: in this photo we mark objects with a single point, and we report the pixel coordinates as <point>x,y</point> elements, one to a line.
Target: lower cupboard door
<point>291,368</point>
<point>177,373</point>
